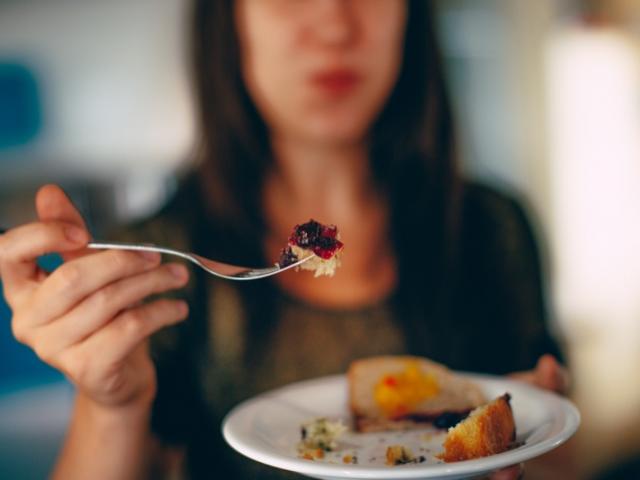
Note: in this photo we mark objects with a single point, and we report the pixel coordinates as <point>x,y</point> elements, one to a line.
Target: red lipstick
<point>337,81</point>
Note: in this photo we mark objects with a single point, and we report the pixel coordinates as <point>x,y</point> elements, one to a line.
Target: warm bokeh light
<point>594,109</point>
<point>594,113</point>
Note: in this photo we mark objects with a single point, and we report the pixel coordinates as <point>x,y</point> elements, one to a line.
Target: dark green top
<point>243,338</point>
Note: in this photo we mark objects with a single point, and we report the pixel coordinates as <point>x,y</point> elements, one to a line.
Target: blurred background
<point>95,96</point>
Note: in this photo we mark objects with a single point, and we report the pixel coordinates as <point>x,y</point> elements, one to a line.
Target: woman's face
<point>320,70</point>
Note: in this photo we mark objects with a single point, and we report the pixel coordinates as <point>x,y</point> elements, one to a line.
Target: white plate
<point>267,429</point>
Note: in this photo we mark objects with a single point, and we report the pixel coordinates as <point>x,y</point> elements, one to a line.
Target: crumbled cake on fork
<point>488,430</point>
<point>317,240</point>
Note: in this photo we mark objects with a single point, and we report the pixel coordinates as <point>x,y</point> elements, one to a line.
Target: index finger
<point>53,204</point>
<point>20,247</point>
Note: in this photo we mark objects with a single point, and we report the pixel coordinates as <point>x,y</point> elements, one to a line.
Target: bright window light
<point>594,107</point>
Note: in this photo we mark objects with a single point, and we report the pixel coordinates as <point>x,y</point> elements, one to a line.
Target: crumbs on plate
<point>318,436</point>
<point>401,455</point>
<point>353,459</point>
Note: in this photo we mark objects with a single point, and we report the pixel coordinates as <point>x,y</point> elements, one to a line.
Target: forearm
<point>106,444</point>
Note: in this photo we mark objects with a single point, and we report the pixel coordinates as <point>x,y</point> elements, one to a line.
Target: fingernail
<point>75,234</point>
<point>182,308</point>
<point>178,271</point>
<point>151,257</point>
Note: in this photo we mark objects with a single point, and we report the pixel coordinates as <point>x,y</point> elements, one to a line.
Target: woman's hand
<point>86,318</point>
<point>549,375</point>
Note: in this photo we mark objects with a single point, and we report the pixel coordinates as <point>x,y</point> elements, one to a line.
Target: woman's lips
<point>336,82</point>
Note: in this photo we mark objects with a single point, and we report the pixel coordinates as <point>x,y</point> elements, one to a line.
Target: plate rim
<point>441,470</point>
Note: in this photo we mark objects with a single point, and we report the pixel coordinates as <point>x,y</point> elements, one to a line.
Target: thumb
<point>551,375</point>
<point>53,204</point>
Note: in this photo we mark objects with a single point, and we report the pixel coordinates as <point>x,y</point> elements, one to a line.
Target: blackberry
<point>449,419</point>
<point>287,257</point>
<point>321,239</point>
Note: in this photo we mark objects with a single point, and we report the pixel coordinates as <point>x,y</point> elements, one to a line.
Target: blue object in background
<point>20,105</point>
<point>35,403</point>
<point>19,366</point>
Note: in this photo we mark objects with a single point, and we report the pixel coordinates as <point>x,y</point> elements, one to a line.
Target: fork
<point>219,269</point>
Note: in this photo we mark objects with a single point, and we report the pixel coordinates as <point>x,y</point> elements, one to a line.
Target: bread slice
<point>402,392</point>
<point>488,430</point>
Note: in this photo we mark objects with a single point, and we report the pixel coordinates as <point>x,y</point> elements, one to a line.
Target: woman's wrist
<point>121,434</point>
<point>132,414</point>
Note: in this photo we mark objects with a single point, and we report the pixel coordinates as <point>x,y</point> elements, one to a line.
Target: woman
<point>327,109</point>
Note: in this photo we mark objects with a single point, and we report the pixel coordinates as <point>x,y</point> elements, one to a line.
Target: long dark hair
<point>412,154</point>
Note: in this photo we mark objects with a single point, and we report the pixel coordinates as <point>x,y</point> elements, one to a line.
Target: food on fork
<point>314,239</point>
<point>489,429</point>
<point>403,392</point>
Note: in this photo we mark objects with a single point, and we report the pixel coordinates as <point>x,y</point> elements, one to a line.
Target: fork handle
<point>143,247</point>
<point>138,247</point>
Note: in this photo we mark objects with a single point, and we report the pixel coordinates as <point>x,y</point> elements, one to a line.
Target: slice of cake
<point>402,392</point>
<point>489,429</point>
<point>319,241</point>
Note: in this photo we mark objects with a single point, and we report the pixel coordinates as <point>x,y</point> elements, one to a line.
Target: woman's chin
<point>337,134</point>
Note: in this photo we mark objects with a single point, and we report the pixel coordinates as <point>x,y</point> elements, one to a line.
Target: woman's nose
<point>336,23</point>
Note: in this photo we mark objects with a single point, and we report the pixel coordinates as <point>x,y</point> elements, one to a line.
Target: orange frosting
<point>398,393</point>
